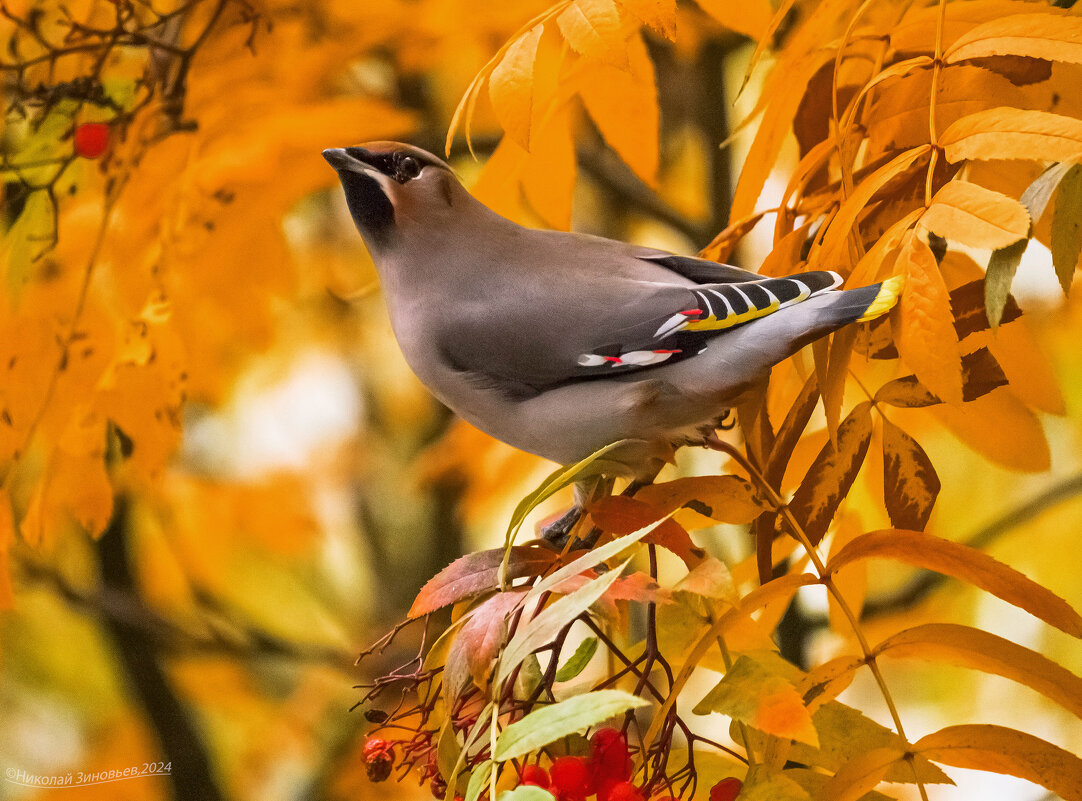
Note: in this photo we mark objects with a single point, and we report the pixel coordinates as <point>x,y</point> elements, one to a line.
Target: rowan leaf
<point>975,216</point>
<point>1067,227</point>
<point>925,333</point>
<point>910,483</point>
<point>478,642</point>
<point>620,516</point>
<point>725,499</point>
<point>973,648</point>
<point>526,792</point>
<point>549,723</point>
<point>845,733</point>
<point>510,86</point>
<point>476,573</point>
<point>658,14</point>
<point>763,699</point>
<point>592,28</point>
<point>578,661</point>
<point>543,627</point>
<point>751,19</point>
<point>814,783</point>
<point>1002,265</point>
<point>623,105</point>
<point>862,773</point>
<point>966,564</point>
<point>1053,37</point>
<point>981,374</point>
<point>1006,751</point>
<point>1012,133</point>
<point>763,785</point>
<point>1000,427</point>
<point>830,476</point>
<point>7,539</point>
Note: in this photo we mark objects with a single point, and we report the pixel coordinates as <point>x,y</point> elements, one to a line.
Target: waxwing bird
<point>561,344</point>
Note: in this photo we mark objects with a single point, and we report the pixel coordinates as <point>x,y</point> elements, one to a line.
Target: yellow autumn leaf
<point>751,18</point>
<point>658,14</point>
<point>593,29</point>
<point>1012,133</point>
<point>975,216</point>
<point>1007,751</point>
<point>623,105</point>
<point>1049,36</point>
<point>1000,427</point>
<point>925,333</point>
<point>964,563</point>
<point>969,647</point>
<point>510,86</point>
<point>860,775</point>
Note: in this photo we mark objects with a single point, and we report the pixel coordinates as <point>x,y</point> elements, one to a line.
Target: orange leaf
<point>751,18</point>
<point>1007,751</point>
<point>843,221</point>
<point>1000,427</point>
<point>726,499</point>
<point>623,104</point>
<point>981,374</point>
<point>852,582</point>
<point>975,216</point>
<point>861,774</point>
<point>548,173</point>
<point>1048,36</point>
<point>510,86</point>
<point>828,480</point>
<point>1012,133</point>
<point>966,564</point>
<point>925,334</point>
<point>592,28</point>
<point>658,14</point>
<point>977,649</point>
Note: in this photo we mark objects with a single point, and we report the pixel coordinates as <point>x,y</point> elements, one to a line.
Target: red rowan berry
<point>621,791</point>
<point>726,789</point>
<point>571,778</point>
<point>534,775</point>
<point>91,139</point>
<point>378,759</point>
<point>609,756</point>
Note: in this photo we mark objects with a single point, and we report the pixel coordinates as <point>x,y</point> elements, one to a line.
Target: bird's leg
<point>558,531</point>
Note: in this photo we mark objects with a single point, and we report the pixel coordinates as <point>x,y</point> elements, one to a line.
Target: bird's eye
<point>409,167</point>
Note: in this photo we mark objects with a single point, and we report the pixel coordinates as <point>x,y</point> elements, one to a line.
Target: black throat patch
<point>371,208</point>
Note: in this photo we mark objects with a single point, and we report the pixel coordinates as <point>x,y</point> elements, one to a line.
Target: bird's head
<point>391,187</point>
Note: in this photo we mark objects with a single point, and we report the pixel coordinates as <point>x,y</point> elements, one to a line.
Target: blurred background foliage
<point>221,481</point>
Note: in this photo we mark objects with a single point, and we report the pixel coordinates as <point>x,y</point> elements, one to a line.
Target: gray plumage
<point>560,344</point>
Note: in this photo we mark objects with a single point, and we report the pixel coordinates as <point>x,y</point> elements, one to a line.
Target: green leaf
<point>540,630</point>
<point>578,661</point>
<point>526,792</point>
<point>26,240</point>
<point>550,723</point>
<point>478,781</point>
<point>764,786</point>
<point>845,733</point>
<point>764,699</point>
<point>1067,226</point>
<point>999,276</point>
<point>529,677</point>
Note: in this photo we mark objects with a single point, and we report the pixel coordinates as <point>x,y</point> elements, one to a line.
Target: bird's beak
<point>338,158</point>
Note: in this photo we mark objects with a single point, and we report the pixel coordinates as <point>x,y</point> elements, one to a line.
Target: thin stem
<point>827,581</point>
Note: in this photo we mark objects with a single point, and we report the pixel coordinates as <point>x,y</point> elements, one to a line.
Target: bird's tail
<point>884,300</point>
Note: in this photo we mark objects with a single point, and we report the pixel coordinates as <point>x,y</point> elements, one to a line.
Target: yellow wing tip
<point>889,291</point>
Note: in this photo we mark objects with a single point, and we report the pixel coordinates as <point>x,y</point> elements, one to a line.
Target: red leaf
<point>620,515</point>
<point>476,573</point>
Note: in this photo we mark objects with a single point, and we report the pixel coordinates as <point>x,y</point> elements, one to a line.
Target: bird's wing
<point>701,271</point>
<point>536,337</point>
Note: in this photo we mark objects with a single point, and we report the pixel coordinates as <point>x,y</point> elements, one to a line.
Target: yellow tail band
<point>885,300</point>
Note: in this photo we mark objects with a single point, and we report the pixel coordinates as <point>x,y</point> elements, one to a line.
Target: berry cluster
<point>606,773</point>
